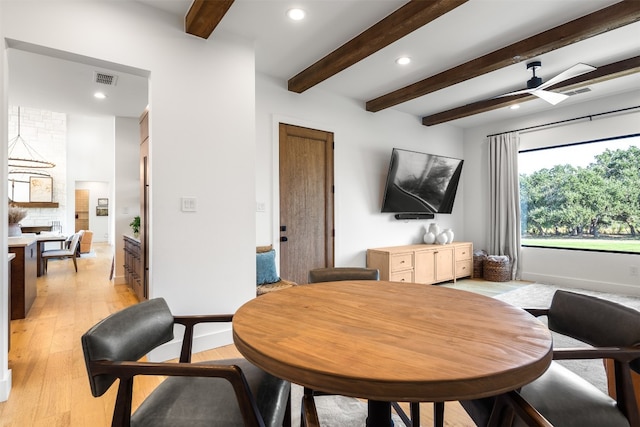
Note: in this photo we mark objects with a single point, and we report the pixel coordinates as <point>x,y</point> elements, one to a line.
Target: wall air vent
<point>105,79</point>
<point>577,91</point>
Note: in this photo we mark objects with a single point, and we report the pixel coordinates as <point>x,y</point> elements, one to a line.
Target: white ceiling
<point>284,48</point>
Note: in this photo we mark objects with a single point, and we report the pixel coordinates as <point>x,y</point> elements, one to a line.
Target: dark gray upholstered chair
<point>563,397</point>
<point>334,274</point>
<point>221,393</point>
<point>70,250</point>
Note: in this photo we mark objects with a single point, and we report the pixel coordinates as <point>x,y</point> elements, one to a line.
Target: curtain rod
<point>590,117</point>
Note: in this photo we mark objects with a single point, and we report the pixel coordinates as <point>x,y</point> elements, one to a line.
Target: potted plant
<point>135,226</point>
<point>15,215</point>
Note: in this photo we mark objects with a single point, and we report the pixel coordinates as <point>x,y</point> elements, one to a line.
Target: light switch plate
<point>189,204</point>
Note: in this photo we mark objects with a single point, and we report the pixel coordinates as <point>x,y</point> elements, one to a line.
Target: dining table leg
<point>379,414</point>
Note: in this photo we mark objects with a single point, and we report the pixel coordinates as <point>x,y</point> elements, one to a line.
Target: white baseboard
<point>5,386</point>
<point>572,282</point>
<point>171,350</point>
<point>119,280</point>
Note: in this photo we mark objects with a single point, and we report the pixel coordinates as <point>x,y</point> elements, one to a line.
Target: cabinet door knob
<point>283,238</point>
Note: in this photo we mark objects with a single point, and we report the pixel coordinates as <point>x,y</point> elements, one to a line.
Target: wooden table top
<point>391,341</point>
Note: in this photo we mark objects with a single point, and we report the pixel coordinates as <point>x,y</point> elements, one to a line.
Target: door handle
<point>283,238</point>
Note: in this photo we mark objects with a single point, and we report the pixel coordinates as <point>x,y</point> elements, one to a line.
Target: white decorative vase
<point>433,228</point>
<point>449,233</point>
<point>14,230</point>
<point>429,238</point>
<point>441,238</point>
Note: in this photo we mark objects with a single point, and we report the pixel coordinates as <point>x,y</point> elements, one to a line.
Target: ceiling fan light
<point>296,14</point>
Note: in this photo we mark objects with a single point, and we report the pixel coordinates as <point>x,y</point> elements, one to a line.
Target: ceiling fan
<point>537,88</point>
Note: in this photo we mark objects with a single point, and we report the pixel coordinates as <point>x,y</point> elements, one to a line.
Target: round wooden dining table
<point>392,342</point>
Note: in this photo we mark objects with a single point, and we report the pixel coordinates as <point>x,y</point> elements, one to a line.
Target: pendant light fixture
<point>24,156</point>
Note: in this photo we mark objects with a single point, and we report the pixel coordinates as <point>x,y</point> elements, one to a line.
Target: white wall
<point>127,186</point>
<point>363,143</point>
<point>202,127</point>
<point>90,160</point>
<point>580,269</point>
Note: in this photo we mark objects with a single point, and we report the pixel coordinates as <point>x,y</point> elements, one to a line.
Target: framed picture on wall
<point>40,189</point>
<point>102,211</point>
<point>103,202</point>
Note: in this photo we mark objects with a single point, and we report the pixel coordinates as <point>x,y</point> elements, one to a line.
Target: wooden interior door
<point>82,210</point>
<point>306,201</point>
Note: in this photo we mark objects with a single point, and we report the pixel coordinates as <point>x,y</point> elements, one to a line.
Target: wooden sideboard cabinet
<point>133,267</point>
<point>422,263</point>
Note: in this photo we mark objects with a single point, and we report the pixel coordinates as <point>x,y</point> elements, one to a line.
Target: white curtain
<point>504,199</point>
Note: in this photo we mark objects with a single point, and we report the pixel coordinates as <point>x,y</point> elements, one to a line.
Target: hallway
<point>49,380</point>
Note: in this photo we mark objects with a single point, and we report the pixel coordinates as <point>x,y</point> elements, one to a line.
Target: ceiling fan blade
<point>569,73</point>
<point>517,92</point>
<point>552,98</point>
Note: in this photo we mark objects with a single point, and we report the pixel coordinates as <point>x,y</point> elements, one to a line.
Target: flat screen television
<point>421,183</point>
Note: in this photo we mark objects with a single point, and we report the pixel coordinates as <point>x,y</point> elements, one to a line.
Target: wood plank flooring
<point>50,385</point>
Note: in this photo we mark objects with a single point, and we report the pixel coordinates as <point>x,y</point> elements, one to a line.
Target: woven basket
<point>497,268</point>
<point>478,263</point>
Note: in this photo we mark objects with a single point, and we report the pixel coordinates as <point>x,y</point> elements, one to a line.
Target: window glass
<point>583,196</point>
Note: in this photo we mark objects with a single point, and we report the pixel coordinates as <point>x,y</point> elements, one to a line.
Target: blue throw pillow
<point>266,268</point>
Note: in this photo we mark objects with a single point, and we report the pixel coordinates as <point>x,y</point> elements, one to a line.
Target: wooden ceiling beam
<point>204,16</point>
<point>609,18</point>
<point>606,72</point>
<point>398,24</point>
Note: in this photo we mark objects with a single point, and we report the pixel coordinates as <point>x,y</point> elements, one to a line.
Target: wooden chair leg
<point>75,264</point>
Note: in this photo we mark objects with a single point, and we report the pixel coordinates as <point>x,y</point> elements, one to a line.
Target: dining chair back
<point>231,392</point>
<point>68,251</point>
<point>335,274</point>
<point>562,396</point>
<point>332,274</point>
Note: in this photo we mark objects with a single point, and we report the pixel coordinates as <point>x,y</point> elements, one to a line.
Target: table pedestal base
<point>379,414</point>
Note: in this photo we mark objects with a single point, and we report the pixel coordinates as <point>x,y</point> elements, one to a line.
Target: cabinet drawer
<point>464,268</point>
<point>403,276</point>
<point>463,252</point>
<point>401,262</point>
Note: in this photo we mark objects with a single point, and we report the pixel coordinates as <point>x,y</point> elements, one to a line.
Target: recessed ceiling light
<point>514,106</point>
<point>99,95</point>
<point>296,14</point>
<point>403,60</point>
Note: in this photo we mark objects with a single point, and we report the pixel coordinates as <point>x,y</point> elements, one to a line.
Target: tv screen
<point>421,183</point>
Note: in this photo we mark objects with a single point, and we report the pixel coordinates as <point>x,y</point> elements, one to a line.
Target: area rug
<point>539,296</point>
<point>335,411</point>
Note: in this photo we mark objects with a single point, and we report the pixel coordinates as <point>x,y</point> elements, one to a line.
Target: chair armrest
<point>523,409</point>
<point>189,322</point>
<point>621,354</point>
<point>232,373</point>
<point>511,404</point>
<point>537,312</point>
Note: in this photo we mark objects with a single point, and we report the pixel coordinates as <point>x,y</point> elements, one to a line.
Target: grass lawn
<point>614,245</point>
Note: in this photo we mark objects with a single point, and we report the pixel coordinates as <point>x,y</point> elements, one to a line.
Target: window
<point>583,196</point>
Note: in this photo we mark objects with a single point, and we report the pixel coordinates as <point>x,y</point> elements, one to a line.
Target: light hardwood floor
<point>50,385</point>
